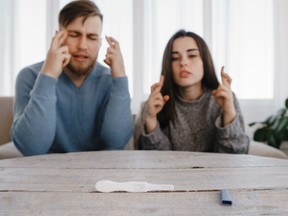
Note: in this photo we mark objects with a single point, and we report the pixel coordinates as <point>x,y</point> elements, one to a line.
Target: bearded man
<point>70,102</point>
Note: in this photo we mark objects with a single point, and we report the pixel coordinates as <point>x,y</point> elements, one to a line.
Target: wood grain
<point>192,203</point>
<point>64,184</point>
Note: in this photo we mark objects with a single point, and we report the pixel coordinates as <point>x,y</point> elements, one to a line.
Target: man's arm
<point>118,123</point>
<point>34,123</point>
<point>118,126</point>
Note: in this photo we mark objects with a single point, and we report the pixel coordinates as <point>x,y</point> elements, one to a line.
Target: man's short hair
<point>75,9</point>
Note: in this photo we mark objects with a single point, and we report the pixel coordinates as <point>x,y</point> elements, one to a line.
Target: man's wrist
<point>118,72</point>
<point>49,74</point>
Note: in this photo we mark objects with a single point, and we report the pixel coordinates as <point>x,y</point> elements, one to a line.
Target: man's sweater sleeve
<point>34,122</point>
<point>118,125</point>
<point>232,138</point>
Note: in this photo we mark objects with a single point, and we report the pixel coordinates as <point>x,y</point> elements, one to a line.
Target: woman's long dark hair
<point>209,80</point>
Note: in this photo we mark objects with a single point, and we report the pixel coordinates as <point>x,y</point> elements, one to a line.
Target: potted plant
<point>274,130</point>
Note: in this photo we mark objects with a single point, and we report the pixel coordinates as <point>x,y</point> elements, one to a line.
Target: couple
<point>70,102</point>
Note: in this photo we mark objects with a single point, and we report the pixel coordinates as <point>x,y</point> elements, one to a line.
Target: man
<point>71,102</point>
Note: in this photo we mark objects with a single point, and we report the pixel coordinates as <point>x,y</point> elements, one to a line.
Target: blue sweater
<point>55,116</point>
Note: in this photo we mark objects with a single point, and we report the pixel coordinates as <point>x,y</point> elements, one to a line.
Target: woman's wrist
<point>228,117</point>
<point>150,124</point>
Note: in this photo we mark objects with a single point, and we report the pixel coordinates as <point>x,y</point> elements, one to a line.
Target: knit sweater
<point>55,116</point>
<point>198,127</point>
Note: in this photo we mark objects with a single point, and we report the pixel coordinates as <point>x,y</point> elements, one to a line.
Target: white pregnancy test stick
<point>131,186</point>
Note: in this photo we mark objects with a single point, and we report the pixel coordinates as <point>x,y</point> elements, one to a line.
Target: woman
<point>188,109</point>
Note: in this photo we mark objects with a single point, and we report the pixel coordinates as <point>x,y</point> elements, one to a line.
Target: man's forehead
<point>91,22</point>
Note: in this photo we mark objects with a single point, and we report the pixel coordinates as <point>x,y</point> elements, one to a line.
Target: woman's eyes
<point>189,56</point>
<point>192,56</point>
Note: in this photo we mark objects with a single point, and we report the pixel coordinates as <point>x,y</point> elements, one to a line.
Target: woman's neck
<point>191,93</point>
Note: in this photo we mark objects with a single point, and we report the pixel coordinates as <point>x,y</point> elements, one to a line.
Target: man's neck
<point>76,79</point>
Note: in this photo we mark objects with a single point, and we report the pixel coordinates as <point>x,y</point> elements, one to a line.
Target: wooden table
<point>64,184</point>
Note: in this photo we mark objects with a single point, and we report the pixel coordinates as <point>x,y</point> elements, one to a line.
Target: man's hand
<point>114,58</point>
<point>58,56</point>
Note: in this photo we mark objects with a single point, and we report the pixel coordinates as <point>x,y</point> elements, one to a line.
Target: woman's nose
<point>183,61</point>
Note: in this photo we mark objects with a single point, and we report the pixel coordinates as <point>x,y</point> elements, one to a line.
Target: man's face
<point>83,41</point>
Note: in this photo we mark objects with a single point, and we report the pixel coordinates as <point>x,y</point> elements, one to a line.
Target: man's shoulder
<point>32,69</point>
<point>30,72</point>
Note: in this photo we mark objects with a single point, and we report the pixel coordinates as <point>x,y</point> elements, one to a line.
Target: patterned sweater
<point>198,127</point>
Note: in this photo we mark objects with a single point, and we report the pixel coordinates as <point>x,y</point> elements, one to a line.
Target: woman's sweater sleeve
<point>232,138</point>
<point>156,140</point>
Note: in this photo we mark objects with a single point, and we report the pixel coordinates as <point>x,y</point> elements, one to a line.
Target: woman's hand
<point>154,105</point>
<point>224,97</point>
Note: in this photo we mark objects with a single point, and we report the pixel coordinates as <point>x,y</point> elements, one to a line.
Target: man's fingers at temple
<point>62,38</point>
<point>67,58</point>
<point>58,39</point>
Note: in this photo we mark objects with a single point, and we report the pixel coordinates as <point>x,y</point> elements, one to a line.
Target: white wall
<point>259,110</point>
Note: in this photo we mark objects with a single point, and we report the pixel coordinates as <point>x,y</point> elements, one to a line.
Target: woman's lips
<point>184,74</point>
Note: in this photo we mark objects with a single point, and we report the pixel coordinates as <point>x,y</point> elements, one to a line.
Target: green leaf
<point>274,129</point>
<point>252,124</point>
<point>285,134</point>
<point>275,125</point>
<point>273,142</point>
<point>279,137</point>
<point>260,135</point>
<point>281,112</point>
<point>271,119</point>
<point>281,125</point>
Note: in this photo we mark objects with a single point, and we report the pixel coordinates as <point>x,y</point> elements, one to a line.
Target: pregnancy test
<point>107,186</point>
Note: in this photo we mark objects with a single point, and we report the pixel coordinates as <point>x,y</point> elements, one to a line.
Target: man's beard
<point>80,71</point>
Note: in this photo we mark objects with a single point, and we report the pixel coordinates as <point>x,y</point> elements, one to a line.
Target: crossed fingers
<point>226,79</point>
<point>112,50</point>
<point>157,86</point>
<point>112,42</point>
<point>224,88</point>
<point>156,93</point>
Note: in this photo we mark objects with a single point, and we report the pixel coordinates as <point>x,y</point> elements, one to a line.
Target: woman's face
<point>187,65</point>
